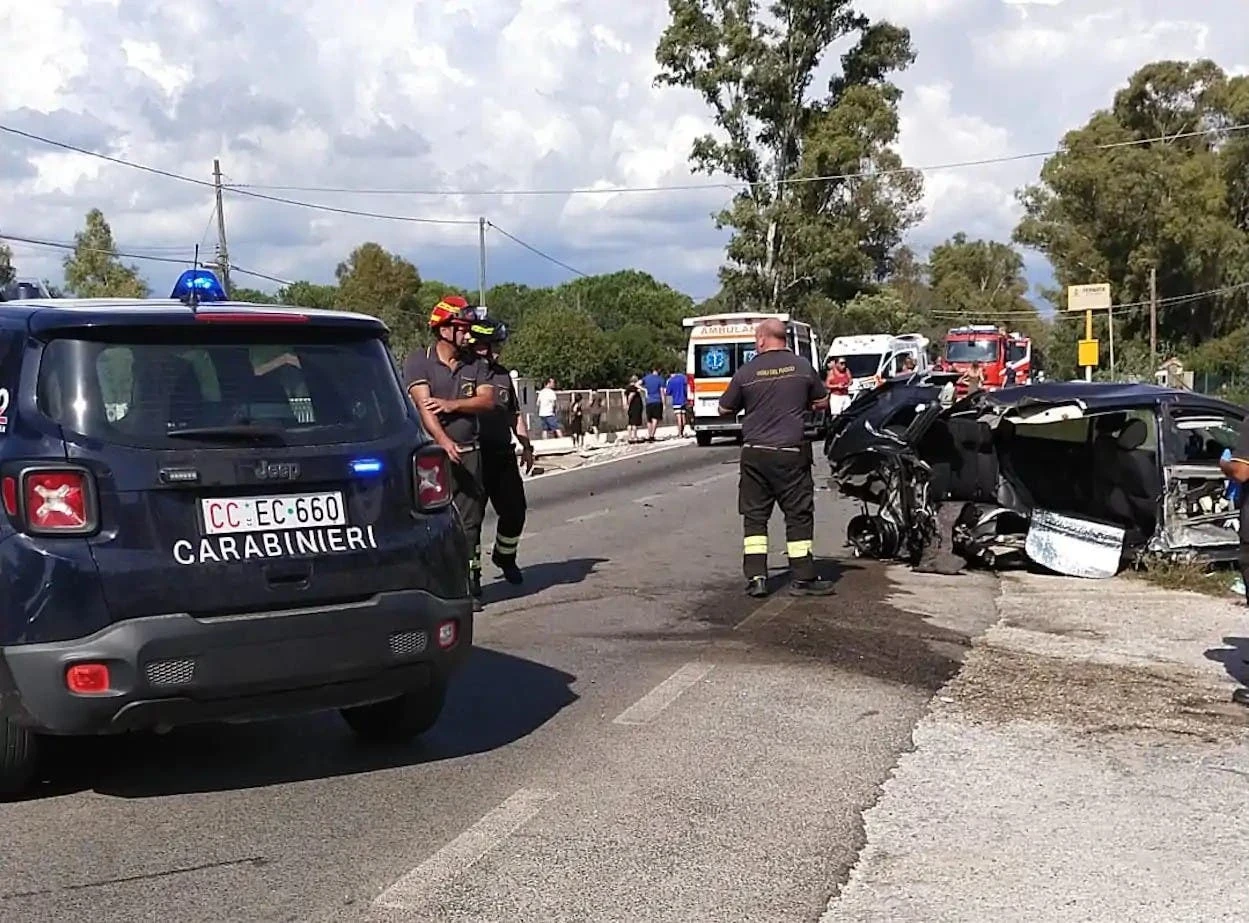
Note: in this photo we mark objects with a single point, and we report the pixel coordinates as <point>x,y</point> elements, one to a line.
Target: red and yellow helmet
<point>451,309</point>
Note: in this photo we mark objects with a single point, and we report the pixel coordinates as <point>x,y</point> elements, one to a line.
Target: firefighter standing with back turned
<point>776,388</point>
<point>448,385</point>
<point>500,473</point>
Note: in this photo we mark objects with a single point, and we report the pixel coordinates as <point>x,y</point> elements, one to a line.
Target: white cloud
<point>500,94</point>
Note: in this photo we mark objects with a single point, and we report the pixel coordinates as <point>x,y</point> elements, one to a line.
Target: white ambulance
<point>719,345</point>
<point>870,357</point>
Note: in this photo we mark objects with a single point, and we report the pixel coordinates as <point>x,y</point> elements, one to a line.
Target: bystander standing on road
<point>576,420</point>
<point>548,402</point>
<point>776,389</point>
<point>633,405</point>
<point>973,378</point>
<point>653,383</point>
<point>677,387</point>
<point>1235,466</point>
<point>838,382</point>
<point>596,413</point>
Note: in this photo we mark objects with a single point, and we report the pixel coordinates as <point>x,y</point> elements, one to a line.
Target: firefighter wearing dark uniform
<point>499,469</point>
<point>448,385</point>
<point>776,388</point>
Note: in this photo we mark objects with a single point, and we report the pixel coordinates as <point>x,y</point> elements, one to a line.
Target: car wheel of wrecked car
<point>873,536</point>
<point>19,757</point>
<point>400,719</point>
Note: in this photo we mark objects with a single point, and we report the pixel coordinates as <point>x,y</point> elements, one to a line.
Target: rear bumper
<point>175,669</point>
<point>715,424</point>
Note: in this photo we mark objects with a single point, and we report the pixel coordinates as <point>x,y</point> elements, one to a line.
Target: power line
<point>532,249</point>
<point>121,254</point>
<point>250,189</point>
<point>260,275</point>
<point>732,184</point>
<point>1126,306</point>
<point>168,174</point>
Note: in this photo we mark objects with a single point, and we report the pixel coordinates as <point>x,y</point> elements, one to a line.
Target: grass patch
<point>1183,575</point>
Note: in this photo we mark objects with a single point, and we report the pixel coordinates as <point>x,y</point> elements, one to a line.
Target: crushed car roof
<point>1096,395</point>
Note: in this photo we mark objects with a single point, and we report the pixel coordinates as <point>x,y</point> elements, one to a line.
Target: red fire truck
<point>995,350</point>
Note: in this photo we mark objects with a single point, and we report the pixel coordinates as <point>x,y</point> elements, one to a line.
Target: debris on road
<point>1082,478</point>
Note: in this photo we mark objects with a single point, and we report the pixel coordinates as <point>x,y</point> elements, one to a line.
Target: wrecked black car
<point>1081,478</point>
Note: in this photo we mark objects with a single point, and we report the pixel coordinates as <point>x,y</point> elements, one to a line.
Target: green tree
<point>795,235</point>
<point>565,344</point>
<point>876,312</point>
<point>373,281</point>
<point>1104,213</point>
<point>982,282</point>
<point>251,295</point>
<point>94,270</point>
<point>640,315</point>
<point>7,272</point>
<point>309,295</point>
<point>512,302</point>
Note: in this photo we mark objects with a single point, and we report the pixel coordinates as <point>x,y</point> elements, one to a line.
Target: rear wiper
<point>230,432</point>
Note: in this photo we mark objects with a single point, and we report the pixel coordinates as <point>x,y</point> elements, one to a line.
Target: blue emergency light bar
<point>198,285</point>
<point>366,466</point>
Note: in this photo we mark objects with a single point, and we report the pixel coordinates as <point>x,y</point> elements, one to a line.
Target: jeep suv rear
<point>216,512</point>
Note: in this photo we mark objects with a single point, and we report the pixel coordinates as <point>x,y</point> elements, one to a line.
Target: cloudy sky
<point>479,96</point>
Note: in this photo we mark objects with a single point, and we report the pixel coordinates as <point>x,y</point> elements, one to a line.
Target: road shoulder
<point>1085,764</point>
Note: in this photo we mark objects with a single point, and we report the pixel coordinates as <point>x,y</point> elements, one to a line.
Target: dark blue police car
<point>216,511</point>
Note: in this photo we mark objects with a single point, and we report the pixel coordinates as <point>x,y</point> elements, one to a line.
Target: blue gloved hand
<point>1232,488</point>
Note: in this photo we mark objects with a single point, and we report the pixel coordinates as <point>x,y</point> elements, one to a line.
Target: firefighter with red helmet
<point>450,388</point>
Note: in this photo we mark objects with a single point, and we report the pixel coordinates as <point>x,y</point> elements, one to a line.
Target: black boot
<point>814,587</point>
<point>757,587</point>
<point>474,589</point>
<point>507,563</point>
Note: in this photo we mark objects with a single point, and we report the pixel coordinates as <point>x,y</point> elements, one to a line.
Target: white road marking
<point>411,892</point>
<point>647,708</point>
<point>647,499</point>
<point>595,515</point>
<point>765,613</point>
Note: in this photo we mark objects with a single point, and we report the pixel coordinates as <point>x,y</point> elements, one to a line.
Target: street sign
<point>1088,297</point>
<point>1086,353</point>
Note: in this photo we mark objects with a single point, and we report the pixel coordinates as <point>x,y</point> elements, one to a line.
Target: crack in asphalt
<point>253,861</point>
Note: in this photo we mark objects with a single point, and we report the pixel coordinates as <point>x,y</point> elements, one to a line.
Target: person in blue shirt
<point>653,384</point>
<point>678,391</point>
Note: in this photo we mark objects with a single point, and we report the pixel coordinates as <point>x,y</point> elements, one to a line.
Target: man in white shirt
<point>547,401</point>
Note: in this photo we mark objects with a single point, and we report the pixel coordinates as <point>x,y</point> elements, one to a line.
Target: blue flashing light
<point>199,284</point>
<point>366,466</point>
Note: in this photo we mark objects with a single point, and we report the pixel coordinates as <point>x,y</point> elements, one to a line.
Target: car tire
<point>400,719</point>
<point>19,757</point>
<point>703,439</point>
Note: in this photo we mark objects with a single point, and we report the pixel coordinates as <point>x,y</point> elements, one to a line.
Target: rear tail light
<point>52,501</point>
<point>431,476</point>
<point>87,678</point>
<point>689,388</point>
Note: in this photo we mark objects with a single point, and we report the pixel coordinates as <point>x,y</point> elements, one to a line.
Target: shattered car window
<point>1204,438</point>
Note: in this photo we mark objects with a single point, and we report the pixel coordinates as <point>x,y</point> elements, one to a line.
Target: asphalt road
<point>633,740</point>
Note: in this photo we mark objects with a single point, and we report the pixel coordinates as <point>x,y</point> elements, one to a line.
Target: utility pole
<point>223,254</point>
<point>481,266</point>
<point>1153,315</point>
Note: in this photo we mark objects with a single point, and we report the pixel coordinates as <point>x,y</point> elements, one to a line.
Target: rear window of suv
<point>171,388</point>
